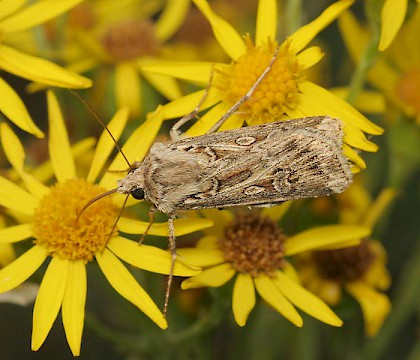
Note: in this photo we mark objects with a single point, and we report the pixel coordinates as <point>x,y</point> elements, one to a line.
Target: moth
<point>259,165</point>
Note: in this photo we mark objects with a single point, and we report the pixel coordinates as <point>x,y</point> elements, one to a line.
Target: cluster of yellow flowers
<point>134,54</point>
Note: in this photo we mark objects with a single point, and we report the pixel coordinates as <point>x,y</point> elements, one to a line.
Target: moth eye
<point>138,194</point>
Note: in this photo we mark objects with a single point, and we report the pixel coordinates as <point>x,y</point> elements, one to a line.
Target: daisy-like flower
<point>283,94</point>
<point>397,71</point>
<point>49,215</point>
<point>251,249</point>
<point>359,270</point>
<point>15,17</point>
<point>392,18</point>
<point>116,40</point>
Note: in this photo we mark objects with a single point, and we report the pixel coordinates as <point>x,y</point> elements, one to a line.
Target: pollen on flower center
<point>345,264</point>
<point>254,244</point>
<point>55,227</point>
<point>408,89</point>
<point>130,39</point>
<point>277,91</point>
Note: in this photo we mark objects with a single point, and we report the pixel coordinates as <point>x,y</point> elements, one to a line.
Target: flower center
<point>345,264</point>
<point>277,91</point>
<point>408,89</point>
<point>55,227</point>
<point>130,39</point>
<point>254,244</point>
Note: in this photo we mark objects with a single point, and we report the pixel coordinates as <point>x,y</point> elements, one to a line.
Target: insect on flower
<point>259,165</point>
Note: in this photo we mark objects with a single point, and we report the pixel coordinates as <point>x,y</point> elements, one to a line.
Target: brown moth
<point>259,165</point>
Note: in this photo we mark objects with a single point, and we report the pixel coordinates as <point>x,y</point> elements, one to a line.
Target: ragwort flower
<point>49,215</point>
<point>251,249</point>
<point>283,94</point>
<point>14,18</point>
<point>117,40</point>
<point>360,270</point>
<point>397,71</point>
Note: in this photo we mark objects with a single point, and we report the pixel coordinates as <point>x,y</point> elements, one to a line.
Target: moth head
<point>132,184</point>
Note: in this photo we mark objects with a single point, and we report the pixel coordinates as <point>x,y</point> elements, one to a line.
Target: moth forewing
<point>256,165</point>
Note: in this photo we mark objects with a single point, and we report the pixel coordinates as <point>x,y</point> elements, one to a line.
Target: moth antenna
<point>99,120</point>
<point>93,200</point>
<point>118,217</point>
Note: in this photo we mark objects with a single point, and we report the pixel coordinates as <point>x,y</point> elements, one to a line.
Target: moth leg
<point>151,221</point>
<point>172,249</point>
<point>244,98</point>
<point>175,131</point>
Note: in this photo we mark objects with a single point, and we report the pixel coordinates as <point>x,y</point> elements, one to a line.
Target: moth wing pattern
<point>256,165</point>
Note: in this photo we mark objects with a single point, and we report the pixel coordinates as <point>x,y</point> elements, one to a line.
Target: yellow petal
<point>309,57</point>
<point>185,70</point>
<point>7,254</point>
<point>306,301</point>
<point>73,310</point>
<point>266,27</point>
<point>128,88</point>
<point>221,219</point>
<point>14,109</point>
<point>166,85</point>
<point>39,70</point>
<point>201,257</point>
<point>392,18</point>
<point>353,156</point>
<point>368,101</point>
<point>184,105</point>
<point>378,207</point>
<point>336,107</point>
<point>126,285</point>
<point>36,14</point>
<point>324,236</point>
<point>375,305</point>
<point>208,242</point>
<point>59,144</point>
<point>135,148</point>
<point>22,268</point>
<point>106,144</point>
<point>49,300</point>
<point>13,197</point>
<point>8,7</point>
<point>15,233</point>
<point>148,258</point>
<point>270,293</point>
<point>243,298</point>
<point>213,277</point>
<point>228,38</point>
<point>16,156</point>
<point>305,34</point>
<point>171,19</point>
<point>182,226</point>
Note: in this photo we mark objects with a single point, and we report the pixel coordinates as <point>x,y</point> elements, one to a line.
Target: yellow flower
<point>251,248</point>
<point>360,270</point>
<point>392,18</point>
<point>283,94</point>
<point>14,18</point>
<point>49,215</point>
<point>118,40</point>
<point>397,71</point>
